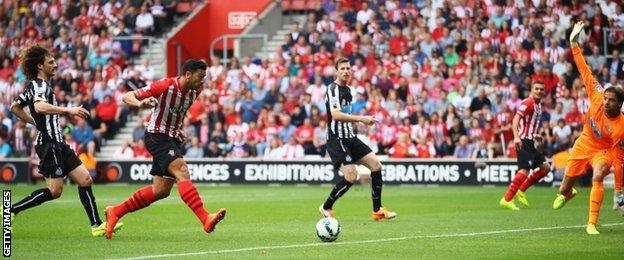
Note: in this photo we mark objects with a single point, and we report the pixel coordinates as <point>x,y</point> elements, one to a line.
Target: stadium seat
<point>298,5</point>
<point>313,4</point>
<point>285,5</point>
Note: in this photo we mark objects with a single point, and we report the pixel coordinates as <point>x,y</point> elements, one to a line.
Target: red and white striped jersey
<point>173,102</point>
<point>530,116</point>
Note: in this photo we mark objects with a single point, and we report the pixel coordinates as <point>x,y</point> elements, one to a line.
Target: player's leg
<point>618,199</point>
<point>80,175</point>
<point>53,173</point>
<point>143,197</point>
<point>507,200</point>
<point>540,169</point>
<point>344,184</point>
<point>341,159</point>
<point>524,158</point>
<point>537,174</point>
<point>371,162</point>
<point>53,190</point>
<point>190,196</point>
<point>601,168</point>
<point>574,170</point>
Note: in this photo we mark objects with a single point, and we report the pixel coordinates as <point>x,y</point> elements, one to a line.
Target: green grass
<point>274,217</point>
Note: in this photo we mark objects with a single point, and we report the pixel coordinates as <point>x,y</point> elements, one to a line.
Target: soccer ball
<point>328,229</point>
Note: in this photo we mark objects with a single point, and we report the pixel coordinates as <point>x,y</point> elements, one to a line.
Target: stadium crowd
<point>443,77</point>
<point>95,66</point>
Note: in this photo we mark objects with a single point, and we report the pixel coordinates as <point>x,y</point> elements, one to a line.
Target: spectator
<point>140,152</point>
<point>146,71</point>
<point>249,108</point>
<point>463,149</point>
<point>19,139</point>
<point>238,148</point>
<point>482,150</point>
<point>305,136</point>
<point>562,132</point>
<point>287,129</point>
<point>423,54</point>
<point>425,148</point>
<point>596,60</point>
<point>320,138</point>
<point>88,159</point>
<point>144,21</point>
<point>293,150</point>
<point>204,129</point>
<point>460,99</point>
<point>255,137</point>
<point>138,133</point>
<point>82,132</point>
<point>5,149</point>
<point>218,135</point>
<point>213,150</point>
<point>574,117</point>
<point>189,130</point>
<point>99,127</point>
<point>124,151</point>
<point>6,70</point>
<point>275,150</point>
<point>403,148</point>
<point>456,130</point>
<point>480,101</point>
<point>195,151</point>
<point>108,112</point>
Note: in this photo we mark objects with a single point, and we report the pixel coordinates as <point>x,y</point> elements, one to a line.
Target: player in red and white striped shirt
<point>169,99</point>
<point>525,127</point>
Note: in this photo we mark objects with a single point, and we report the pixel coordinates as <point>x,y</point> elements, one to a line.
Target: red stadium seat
<point>285,4</point>
<point>313,4</point>
<point>298,4</point>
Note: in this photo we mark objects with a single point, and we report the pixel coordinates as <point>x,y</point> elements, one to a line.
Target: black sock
<point>376,184</point>
<point>88,202</point>
<point>339,189</point>
<point>34,199</point>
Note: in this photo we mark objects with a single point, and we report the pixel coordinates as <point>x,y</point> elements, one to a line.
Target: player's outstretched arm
<point>589,80</point>
<point>339,116</point>
<point>130,98</point>
<point>19,111</point>
<point>43,107</point>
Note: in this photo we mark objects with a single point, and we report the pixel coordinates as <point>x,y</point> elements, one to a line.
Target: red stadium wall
<point>209,23</point>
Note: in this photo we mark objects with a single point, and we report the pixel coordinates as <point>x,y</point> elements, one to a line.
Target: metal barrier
<point>224,39</point>
<point>179,47</point>
<point>605,40</point>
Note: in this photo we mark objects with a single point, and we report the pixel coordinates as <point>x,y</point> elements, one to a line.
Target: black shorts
<point>56,160</point>
<point>346,151</point>
<point>164,150</point>
<point>528,157</point>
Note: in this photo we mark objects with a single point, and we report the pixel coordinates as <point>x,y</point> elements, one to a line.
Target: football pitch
<point>278,222</point>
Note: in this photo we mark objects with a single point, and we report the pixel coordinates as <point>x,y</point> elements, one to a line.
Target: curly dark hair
<point>30,58</point>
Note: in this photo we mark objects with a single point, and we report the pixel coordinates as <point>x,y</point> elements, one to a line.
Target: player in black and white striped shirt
<point>57,159</point>
<point>345,149</point>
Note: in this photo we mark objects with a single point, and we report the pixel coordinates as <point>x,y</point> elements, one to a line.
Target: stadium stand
<point>95,65</point>
<point>443,77</point>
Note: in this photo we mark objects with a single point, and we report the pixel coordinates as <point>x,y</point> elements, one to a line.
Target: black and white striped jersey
<point>47,125</point>
<point>339,97</point>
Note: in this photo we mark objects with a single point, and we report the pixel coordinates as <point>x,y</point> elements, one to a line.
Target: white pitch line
<point>78,201</point>
<point>244,249</point>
